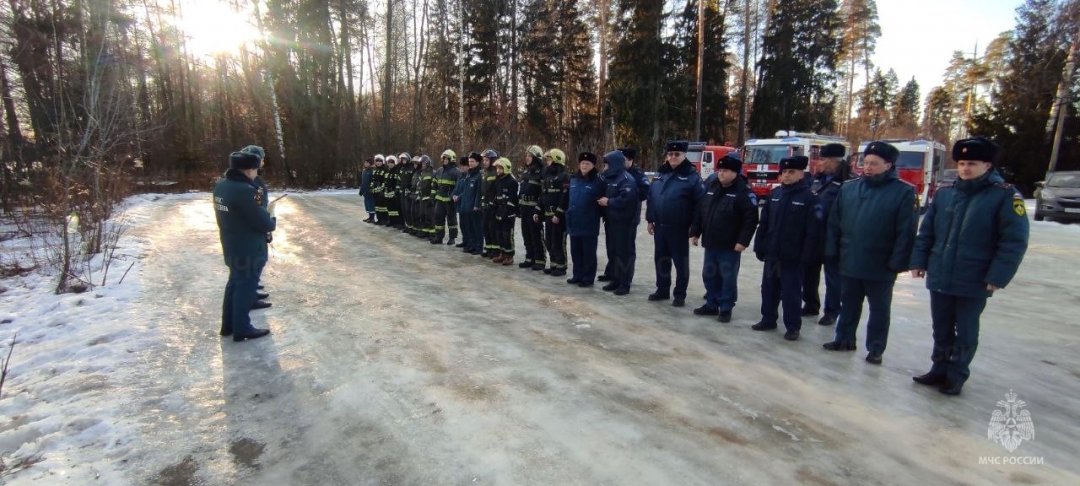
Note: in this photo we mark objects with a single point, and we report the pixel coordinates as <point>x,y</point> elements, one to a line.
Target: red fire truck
<point>705,157</point>
<point>761,157</point>
<point>920,163</point>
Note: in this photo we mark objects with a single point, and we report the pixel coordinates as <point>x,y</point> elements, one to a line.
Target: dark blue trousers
<point>622,253</point>
<point>583,254</point>
<point>369,205</point>
<point>672,247</point>
<point>781,282</point>
<point>956,334</point>
<point>811,282</point>
<point>472,230</point>
<point>878,294</point>
<point>240,295</point>
<point>720,274</point>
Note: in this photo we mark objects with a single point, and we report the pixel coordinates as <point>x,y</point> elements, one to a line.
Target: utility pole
<point>700,65</point>
<point>1062,104</point>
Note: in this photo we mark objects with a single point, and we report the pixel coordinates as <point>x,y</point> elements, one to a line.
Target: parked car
<point>947,179</point>
<point>1058,197</point>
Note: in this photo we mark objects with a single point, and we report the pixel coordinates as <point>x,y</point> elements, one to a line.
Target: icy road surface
<point>393,361</point>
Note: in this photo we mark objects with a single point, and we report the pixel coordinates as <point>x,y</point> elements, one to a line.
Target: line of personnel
<point>862,232</point>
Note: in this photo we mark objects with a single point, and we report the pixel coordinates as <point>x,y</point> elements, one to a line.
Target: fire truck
<point>706,157</point>
<point>920,164</point>
<point>761,157</point>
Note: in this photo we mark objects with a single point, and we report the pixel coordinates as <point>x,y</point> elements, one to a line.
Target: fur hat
<point>588,157</point>
<point>677,146</point>
<point>476,156</point>
<point>243,161</point>
<point>799,162</point>
<point>976,148</point>
<point>731,162</point>
<point>254,150</point>
<point>833,150</point>
<point>883,150</point>
<point>629,152</point>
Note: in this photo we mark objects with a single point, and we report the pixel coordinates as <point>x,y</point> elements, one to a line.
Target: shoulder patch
<point>258,196</point>
<point>1018,207</point>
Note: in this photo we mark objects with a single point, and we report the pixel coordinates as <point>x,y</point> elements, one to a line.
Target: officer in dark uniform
<point>725,221</point>
<point>787,239</point>
<point>622,211</point>
<point>970,244</point>
<point>243,224</point>
<point>470,206</point>
<point>378,179</point>
<point>551,211</point>
<point>871,230</point>
<point>261,184</point>
<point>673,200</point>
<point>579,207</point>
<point>643,193</point>
<point>832,172</point>
<point>446,178</point>
<point>459,187</point>
<point>365,189</point>
<point>487,194</point>
<point>407,195</point>
<point>529,192</point>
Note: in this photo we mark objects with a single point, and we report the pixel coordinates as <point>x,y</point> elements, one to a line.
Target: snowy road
<point>393,361</point>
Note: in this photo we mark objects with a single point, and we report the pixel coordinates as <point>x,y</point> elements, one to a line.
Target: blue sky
<point>918,37</point>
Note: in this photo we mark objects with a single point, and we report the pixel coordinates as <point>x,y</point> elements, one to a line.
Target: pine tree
<point>859,41</point>
<point>636,75</point>
<point>796,88</point>
<point>905,111</point>
<point>714,72</point>
<point>937,119</point>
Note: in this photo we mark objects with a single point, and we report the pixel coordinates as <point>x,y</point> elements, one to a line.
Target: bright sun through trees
<point>213,27</point>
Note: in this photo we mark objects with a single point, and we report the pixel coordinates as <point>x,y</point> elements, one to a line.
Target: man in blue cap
<point>970,245</point>
<point>673,200</point>
<point>871,230</point>
<point>243,223</point>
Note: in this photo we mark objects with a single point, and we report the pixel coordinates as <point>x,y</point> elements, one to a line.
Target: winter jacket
<point>531,188</point>
<point>391,182</point>
<point>582,210</point>
<point>242,220</point>
<point>725,216</point>
<point>365,181</point>
<point>445,180</point>
<point>674,196</point>
<point>425,191</point>
<point>506,197</point>
<point>827,188</point>
<point>556,186</point>
<point>378,177</point>
<point>641,180</point>
<point>974,233</point>
<point>404,177</point>
<point>623,207</point>
<point>469,191</point>
<point>872,227</point>
<point>789,225</point>
<point>487,189</point>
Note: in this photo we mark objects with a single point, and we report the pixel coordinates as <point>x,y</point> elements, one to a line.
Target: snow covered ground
<point>393,361</point>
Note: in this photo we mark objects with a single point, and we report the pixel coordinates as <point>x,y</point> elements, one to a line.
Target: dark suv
<point>1058,197</point>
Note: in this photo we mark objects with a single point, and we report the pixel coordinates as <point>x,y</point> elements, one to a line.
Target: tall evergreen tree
<point>636,75</point>
<point>860,34</point>
<point>905,111</point>
<point>714,75</point>
<point>796,88</point>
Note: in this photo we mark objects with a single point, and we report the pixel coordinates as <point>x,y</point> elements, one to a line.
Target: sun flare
<point>214,27</point>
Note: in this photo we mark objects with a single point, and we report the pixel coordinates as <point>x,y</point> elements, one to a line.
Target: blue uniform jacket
<point>582,210</point>
<point>674,196</point>
<point>872,227</point>
<point>789,225</point>
<point>624,206</point>
<point>242,219</point>
<point>974,233</point>
<point>365,182</point>
<point>468,191</point>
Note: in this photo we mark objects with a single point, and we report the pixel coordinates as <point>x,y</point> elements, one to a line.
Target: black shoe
<point>558,272</point>
<point>261,295</point>
<point>929,379</point>
<point>584,284</point>
<point>460,245</point>
<point>260,287</point>
<point>705,310</point>
<point>525,264</point>
<point>791,335</point>
<point>655,296</point>
<point>369,220</point>
<point>950,389</point>
<point>538,267</point>
<point>225,332</point>
<point>764,326</point>
<point>873,358</point>
<point>603,278</point>
<point>611,286</point>
<point>260,304</point>
<point>678,302</point>
<point>621,291</point>
<point>839,346</point>
<point>724,316</point>
<point>549,270</point>
<point>828,319</point>
<point>573,281</point>
<point>809,312</point>
<point>450,242</point>
<point>256,334</point>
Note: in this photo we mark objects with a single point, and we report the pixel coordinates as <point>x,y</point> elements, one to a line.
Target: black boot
<point>655,296</point>
<point>839,346</point>
<point>724,316</point>
<point>558,272</point>
<point>930,379</point>
<point>828,319</point>
<point>603,278</point>
<point>764,326</point>
<point>951,388</point>
<point>256,334</point>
